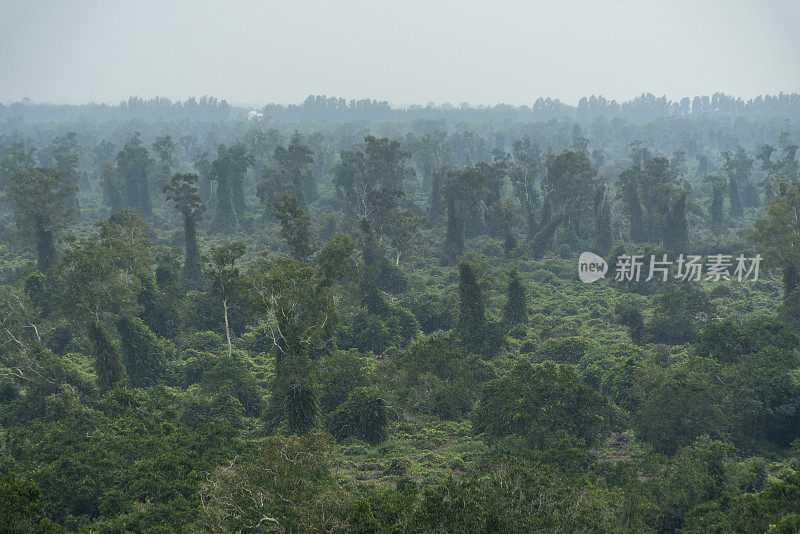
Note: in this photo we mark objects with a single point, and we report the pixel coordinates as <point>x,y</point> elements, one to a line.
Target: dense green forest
<point>342,316</point>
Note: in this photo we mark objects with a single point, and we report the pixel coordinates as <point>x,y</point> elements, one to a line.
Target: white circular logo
<point>591,267</point>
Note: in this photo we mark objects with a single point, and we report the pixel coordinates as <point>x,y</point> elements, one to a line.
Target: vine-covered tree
<point>63,154</point>
<point>516,307</point>
<point>471,309</point>
<point>379,163</point>
<point>41,199</point>
<point>300,311</point>
<point>143,355</point>
<point>296,159</point>
<point>462,192</point>
<point>228,170</point>
<point>133,163</point>
<point>182,191</point>
<point>295,225</point>
<point>778,235</point>
<point>225,279</point>
<point>737,168</point>
<point>108,175</point>
<point>99,278</point>
<point>164,149</point>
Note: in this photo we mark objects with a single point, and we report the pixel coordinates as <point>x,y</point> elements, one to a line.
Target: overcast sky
<point>406,52</point>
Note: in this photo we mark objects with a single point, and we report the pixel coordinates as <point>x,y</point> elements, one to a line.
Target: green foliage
<point>520,399</point>
<point>290,487</point>
<point>22,510</point>
<point>677,406</point>
<point>516,310</point>
<point>542,403</point>
<point>677,317</point>
<point>106,359</point>
<point>225,279</point>
<point>143,354</point>
<point>234,376</point>
<point>433,310</point>
<point>514,497</point>
<point>727,341</point>
<point>772,510</point>
<point>295,225</point>
<point>40,199</point>
<point>300,313</point>
<point>369,332</point>
<point>182,191</point>
<point>564,350</point>
<point>336,259</point>
<point>132,165</point>
<point>362,416</point>
<point>471,309</point>
<point>433,376</point>
<point>101,276</point>
<point>340,373</point>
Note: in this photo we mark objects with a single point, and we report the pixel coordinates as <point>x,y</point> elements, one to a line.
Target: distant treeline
<point>646,107</point>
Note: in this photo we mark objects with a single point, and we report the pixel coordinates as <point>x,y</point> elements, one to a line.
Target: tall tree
<point>99,278</point>
<point>386,161</point>
<point>516,308</point>
<point>182,191</point>
<point>228,170</point>
<point>428,155</point>
<point>436,209</point>
<point>296,159</point>
<point>18,159</point>
<point>602,220</point>
<point>569,182</point>
<point>525,170</point>
<point>778,234</point>
<point>676,229</point>
<point>378,163</point>
<point>501,218</point>
<point>133,163</point>
<point>143,354</point>
<point>225,279</point>
<point>202,164</point>
<point>737,168</point>
<point>65,159</point>
<point>107,364</point>
<point>655,202</point>
<point>298,306</point>
<point>715,209</point>
<point>40,199</point>
<point>471,309</point>
<point>383,209</point>
<point>462,191</point>
<point>164,149</point>
<point>108,175</point>
<point>405,230</point>
<point>295,225</point>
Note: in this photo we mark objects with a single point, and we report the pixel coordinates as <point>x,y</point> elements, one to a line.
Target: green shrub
<point>362,416</point>
<point>340,373</point>
<point>543,403</point>
<point>542,276</point>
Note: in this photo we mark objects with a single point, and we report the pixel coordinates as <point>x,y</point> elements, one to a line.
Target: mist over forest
<point>341,315</point>
<point>510,267</point>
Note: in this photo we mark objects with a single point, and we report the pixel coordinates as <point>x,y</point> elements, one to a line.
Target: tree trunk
<point>227,327</point>
<point>191,267</point>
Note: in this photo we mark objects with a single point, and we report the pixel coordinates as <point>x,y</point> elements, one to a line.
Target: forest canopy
<point>350,316</point>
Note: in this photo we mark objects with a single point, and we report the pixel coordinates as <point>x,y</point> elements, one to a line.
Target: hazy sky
<point>481,52</point>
